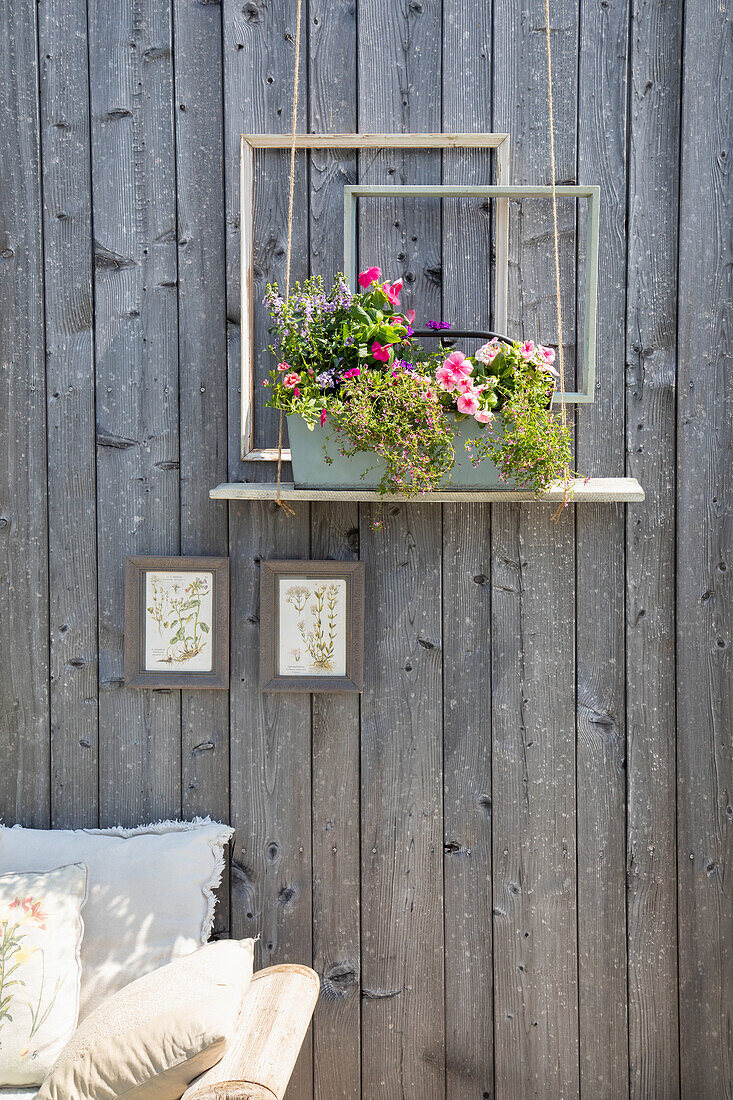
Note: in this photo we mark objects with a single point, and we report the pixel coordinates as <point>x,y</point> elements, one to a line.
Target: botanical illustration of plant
<point>176,609</point>
<point>319,638</point>
<point>15,953</point>
<point>298,595</point>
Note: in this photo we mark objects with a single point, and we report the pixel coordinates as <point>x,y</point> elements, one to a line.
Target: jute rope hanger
<point>558,293</point>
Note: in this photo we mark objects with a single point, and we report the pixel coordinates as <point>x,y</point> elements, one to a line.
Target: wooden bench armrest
<point>258,1062</point>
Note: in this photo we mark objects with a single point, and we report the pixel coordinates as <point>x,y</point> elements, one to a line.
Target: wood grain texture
<point>533,613</point>
<point>599,612</point>
<point>401,797</point>
<point>72,511</point>
<point>581,491</point>
<point>202,373</point>
<point>270,765</point>
<point>336,854</point>
<point>134,216</point>
<point>704,535</point>
<point>466,573</point>
<point>274,1020</point>
<point>270,734</point>
<point>403,1027</point>
<point>334,534</point>
<point>425,858</point>
<point>24,598</point>
<point>259,58</point>
<point>651,360</point>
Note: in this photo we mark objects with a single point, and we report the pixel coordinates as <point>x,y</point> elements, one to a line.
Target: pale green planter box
<point>311,471</point>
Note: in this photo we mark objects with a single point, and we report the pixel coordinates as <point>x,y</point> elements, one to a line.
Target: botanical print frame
<point>311,626</point>
<point>250,142</point>
<point>352,192</point>
<point>176,622</point>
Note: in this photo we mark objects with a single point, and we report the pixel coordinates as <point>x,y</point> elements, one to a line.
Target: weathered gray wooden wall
<point>510,861</point>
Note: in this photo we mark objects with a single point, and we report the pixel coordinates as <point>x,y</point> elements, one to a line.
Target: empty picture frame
<point>353,192</point>
<point>250,142</point>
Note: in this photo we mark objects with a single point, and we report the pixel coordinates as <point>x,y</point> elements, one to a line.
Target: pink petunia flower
<point>527,349</point>
<point>468,403</point>
<point>366,278</point>
<point>410,315</point>
<point>458,363</point>
<point>464,383</point>
<point>483,416</point>
<point>546,359</point>
<point>488,352</point>
<point>291,380</point>
<point>296,392</point>
<point>446,378</point>
<point>393,292</point>
<point>324,417</point>
<point>284,366</point>
<point>379,352</point>
<point>353,373</point>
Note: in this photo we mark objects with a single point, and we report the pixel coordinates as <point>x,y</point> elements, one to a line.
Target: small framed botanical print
<point>311,626</point>
<point>177,622</point>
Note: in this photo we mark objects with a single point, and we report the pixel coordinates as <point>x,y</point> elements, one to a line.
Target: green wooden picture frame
<point>585,394</point>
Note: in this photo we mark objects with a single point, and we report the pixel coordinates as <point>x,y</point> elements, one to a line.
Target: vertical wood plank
<point>202,375</point>
<point>533,658</point>
<point>336,854</point>
<point>24,659</point>
<point>270,734</point>
<point>259,59</point>
<point>650,658</point>
<point>334,534</point>
<point>270,766</point>
<point>600,532</point>
<point>401,829</point>
<point>134,217</point>
<point>72,498</point>
<point>403,1028</point>
<point>466,564</point>
<point>704,561</point>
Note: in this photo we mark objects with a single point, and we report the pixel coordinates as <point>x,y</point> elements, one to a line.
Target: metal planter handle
<point>464,334</point>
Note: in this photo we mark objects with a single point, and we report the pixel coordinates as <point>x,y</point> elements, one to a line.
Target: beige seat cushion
<point>150,896</point>
<point>151,1039</point>
<point>40,936</point>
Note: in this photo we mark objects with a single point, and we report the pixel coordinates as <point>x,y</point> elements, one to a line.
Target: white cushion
<point>150,894</point>
<point>40,936</point>
<point>150,1040</point>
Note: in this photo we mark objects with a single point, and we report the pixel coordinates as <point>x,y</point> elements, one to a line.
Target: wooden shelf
<point>593,491</point>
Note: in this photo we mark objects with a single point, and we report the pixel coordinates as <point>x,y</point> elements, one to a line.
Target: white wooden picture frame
<point>250,142</point>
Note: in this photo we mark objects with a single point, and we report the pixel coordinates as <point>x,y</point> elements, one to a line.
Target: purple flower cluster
<point>436,326</point>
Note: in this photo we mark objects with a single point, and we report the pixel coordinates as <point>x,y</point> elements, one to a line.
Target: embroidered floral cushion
<point>41,931</point>
<point>151,893</point>
<point>150,1040</point>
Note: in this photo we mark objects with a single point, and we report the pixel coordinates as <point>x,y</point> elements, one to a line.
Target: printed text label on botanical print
<point>312,626</point>
<point>178,621</point>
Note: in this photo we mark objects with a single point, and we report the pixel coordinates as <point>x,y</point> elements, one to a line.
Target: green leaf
<point>204,627</point>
